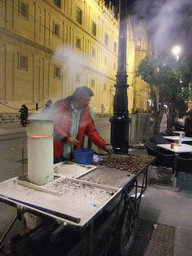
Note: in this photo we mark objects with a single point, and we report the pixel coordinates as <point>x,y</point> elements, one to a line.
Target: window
<point>115,47</point>
<point>57,3</point>
<point>106,39</point>
<point>105,60</point>
<point>78,43</point>
<point>67,34</point>
<point>114,66</point>
<point>57,72</point>
<point>24,8</point>
<point>105,86</point>
<point>93,83</point>
<point>79,15</point>
<point>94,26</point>
<point>22,61</point>
<point>93,52</point>
<point>77,78</point>
<point>56,29</point>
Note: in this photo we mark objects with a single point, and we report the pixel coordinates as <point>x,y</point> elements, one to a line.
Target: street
<point>12,152</point>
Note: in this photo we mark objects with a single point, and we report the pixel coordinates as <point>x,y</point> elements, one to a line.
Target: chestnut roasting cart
<point>85,210</point>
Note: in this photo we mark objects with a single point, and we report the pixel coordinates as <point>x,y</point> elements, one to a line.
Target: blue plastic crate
<point>83,156</point>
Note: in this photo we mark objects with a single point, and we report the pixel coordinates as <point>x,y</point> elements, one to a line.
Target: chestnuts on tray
<point>131,163</point>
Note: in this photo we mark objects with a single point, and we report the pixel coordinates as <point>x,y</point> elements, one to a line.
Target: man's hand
<point>108,149</point>
<point>72,141</point>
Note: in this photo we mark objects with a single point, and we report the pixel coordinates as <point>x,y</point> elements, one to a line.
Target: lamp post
<point>176,51</point>
<point>120,120</point>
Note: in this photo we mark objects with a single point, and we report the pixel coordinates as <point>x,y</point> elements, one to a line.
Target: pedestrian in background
<point>24,114</point>
<point>21,110</point>
<point>188,124</point>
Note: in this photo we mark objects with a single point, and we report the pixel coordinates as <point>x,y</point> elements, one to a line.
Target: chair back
<point>158,139</point>
<point>178,126</point>
<point>183,165</point>
<point>171,133</point>
<point>151,148</point>
<point>165,160</point>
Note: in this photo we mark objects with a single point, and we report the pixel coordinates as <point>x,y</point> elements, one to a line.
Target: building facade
<point>50,47</point>
<point>141,98</point>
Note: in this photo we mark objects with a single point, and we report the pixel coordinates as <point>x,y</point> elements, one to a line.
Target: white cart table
<point>83,203</point>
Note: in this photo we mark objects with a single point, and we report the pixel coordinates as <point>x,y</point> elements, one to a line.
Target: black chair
<point>171,132</point>
<point>178,126</point>
<point>158,139</point>
<point>162,159</point>
<point>163,133</point>
<point>183,165</point>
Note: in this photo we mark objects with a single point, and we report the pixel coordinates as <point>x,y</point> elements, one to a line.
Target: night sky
<point>168,22</point>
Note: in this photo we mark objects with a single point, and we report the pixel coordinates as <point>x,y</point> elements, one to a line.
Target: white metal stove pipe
<point>40,151</point>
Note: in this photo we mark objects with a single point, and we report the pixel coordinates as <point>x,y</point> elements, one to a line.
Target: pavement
<point>9,130</point>
<point>160,203</point>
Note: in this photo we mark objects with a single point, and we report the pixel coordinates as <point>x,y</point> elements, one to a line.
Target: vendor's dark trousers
<point>59,159</point>
<point>62,158</point>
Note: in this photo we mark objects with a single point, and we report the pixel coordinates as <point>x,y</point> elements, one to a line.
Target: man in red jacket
<point>72,120</point>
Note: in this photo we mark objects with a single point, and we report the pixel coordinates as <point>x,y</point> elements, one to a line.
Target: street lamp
<point>176,51</point>
<point>120,120</point>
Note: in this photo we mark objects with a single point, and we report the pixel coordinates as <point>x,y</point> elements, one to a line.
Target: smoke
<point>70,57</point>
<point>78,69</point>
<point>168,22</point>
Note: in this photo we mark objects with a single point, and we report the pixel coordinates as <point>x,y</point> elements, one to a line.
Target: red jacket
<point>62,124</point>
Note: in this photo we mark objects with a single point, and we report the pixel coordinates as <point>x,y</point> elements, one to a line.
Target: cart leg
<point>129,217</point>
<point>174,176</point>
<point>90,245</point>
<point>128,230</point>
<point>149,171</point>
<point>174,183</point>
<point>108,242</point>
<point>8,229</point>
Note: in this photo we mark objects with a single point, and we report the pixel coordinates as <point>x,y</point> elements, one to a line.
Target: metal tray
<point>71,169</point>
<point>70,200</point>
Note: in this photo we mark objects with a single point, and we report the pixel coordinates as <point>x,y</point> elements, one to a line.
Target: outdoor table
<point>184,148</point>
<point>183,139</point>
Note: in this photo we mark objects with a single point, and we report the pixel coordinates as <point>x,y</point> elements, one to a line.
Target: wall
<point>46,52</point>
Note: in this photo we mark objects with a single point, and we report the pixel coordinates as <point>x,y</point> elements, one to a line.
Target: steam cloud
<point>169,22</point>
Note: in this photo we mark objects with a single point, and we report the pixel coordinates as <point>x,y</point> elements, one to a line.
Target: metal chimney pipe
<point>40,151</point>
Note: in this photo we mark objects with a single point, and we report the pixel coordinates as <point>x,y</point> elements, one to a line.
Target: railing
<point>140,128</point>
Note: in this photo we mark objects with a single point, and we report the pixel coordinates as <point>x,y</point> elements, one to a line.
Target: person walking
<point>21,111</point>
<point>72,119</point>
<point>24,114</point>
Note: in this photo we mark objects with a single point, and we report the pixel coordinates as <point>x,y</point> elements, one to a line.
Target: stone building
<point>141,97</point>
<point>50,47</point>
